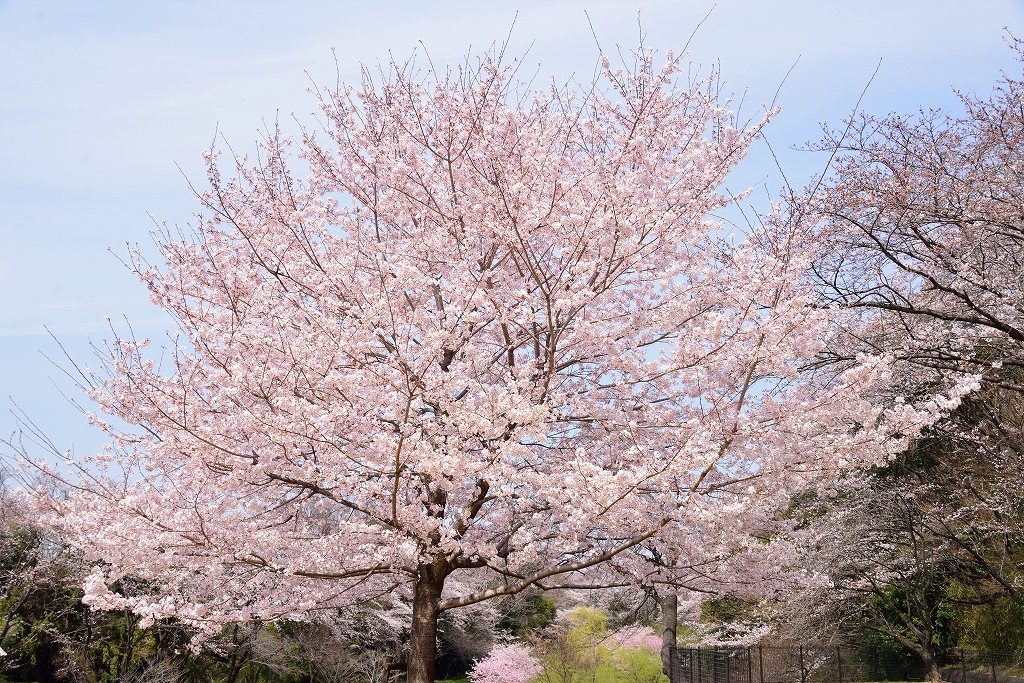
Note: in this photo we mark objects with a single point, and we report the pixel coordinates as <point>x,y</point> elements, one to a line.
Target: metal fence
<point>818,664</point>
<point>979,666</point>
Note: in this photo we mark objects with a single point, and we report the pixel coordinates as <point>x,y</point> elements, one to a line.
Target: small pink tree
<point>635,651</point>
<point>634,638</point>
<point>491,342</point>
<point>506,663</point>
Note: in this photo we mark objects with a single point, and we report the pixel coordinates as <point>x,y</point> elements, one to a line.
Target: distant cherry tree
<point>921,227</point>
<point>506,663</point>
<point>490,342</point>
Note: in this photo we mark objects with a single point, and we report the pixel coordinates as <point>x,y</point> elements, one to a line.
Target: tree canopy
<point>491,341</point>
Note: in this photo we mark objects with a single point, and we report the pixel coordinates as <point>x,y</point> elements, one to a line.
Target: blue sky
<point>102,102</point>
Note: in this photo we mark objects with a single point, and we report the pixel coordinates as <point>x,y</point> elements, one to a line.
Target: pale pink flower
<point>506,663</point>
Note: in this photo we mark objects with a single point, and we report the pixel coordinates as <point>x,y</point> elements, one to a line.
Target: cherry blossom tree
<point>506,663</point>
<point>491,341</point>
<point>872,564</point>
<point>921,226</point>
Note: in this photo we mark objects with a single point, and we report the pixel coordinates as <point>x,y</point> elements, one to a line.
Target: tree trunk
<point>423,637</point>
<point>931,665</point>
<point>669,618</point>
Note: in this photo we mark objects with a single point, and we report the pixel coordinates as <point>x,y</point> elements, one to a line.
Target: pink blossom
<point>506,663</point>
<point>634,638</point>
<point>491,341</point>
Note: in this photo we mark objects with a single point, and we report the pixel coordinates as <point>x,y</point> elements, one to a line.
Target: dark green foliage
<point>531,612</point>
<point>724,609</point>
<point>542,613</point>
<point>997,625</point>
<point>893,609</point>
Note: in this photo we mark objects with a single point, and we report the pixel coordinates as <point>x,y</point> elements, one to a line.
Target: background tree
<point>924,552</point>
<point>48,634</point>
<point>966,485</point>
<point>920,227</point>
<point>491,342</point>
<point>39,580</point>
<point>873,566</point>
<point>923,215</point>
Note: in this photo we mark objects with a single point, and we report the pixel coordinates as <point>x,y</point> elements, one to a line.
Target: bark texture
<point>669,619</point>
<point>425,611</point>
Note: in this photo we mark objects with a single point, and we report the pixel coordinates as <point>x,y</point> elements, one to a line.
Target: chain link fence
<point>819,664</point>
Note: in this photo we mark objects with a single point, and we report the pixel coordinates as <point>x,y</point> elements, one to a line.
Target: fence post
<point>992,665</point>
<point>760,663</point>
<point>963,665</point>
<point>699,665</point>
<point>750,667</point>
<point>714,664</point>
<point>803,677</point>
<point>839,663</point>
<point>728,665</point>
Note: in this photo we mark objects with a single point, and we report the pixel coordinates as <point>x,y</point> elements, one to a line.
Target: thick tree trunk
<point>423,638</point>
<point>931,665</point>
<point>669,619</point>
